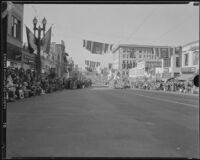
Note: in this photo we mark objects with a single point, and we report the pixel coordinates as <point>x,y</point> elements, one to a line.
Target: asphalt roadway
<point>103,122</point>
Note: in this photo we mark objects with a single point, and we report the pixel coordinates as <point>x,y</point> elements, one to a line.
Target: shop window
<point>171,51</point>
<point>16,28</point>
<point>186,59</point>
<point>167,63</point>
<point>196,58</point>
<point>178,62</point>
<point>157,52</point>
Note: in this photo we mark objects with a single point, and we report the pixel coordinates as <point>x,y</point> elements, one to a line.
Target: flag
<point>89,43</point>
<point>46,41</point>
<point>84,44</point>
<point>106,48</point>
<point>31,40</point>
<point>97,48</point>
<point>111,47</point>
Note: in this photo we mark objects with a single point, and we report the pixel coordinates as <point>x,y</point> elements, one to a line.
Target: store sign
<point>188,70</point>
<point>166,75</point>
<point>166,70</point>
<point>154,64</point>
<point>28,59</point>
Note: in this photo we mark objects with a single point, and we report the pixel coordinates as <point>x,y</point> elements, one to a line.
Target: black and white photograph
<point>100,80</point>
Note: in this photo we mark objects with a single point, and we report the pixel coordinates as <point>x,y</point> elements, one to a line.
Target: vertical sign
<point>3,83</point>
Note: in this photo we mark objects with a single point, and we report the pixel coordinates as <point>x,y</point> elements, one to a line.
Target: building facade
<point>190,60</point>
<point>58,59</point>
<point>171,64</point>
<point>15,35</point>
<point>126,57</point>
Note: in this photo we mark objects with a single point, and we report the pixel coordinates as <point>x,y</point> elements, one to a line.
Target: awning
<point>171,79</point>
<point>186,77</point>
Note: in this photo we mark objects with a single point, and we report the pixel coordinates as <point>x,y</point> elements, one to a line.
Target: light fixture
<point>35,21</point>
<point>44,21</point>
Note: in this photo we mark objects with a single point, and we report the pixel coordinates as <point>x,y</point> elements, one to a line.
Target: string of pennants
<point>97,47</point>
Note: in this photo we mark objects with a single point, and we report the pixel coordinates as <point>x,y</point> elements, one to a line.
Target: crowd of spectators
<point>173,85</point>
<point>24,83</point>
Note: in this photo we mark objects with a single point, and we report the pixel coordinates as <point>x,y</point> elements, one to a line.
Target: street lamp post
<point>38,43</point>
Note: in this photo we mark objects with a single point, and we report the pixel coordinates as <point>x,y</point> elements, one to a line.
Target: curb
<point>177,93</point>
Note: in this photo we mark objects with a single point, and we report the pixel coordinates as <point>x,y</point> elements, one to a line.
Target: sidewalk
<point>168,92</point>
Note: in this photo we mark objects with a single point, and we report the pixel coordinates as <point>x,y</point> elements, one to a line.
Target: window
<point>167,63</point>
<point>16,28</point>
<point>195,58</point>
<point>124,56</point>
<point>157,52</point>
<point>171,51</point>
<point>123,65</point>
<point>132,55</point>
<point>177,61</point>
<point>186,59</point>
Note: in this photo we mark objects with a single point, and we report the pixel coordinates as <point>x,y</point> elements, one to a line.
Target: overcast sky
<point>169,25</point>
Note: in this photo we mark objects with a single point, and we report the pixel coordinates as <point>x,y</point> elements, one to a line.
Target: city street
<point>104,122</point>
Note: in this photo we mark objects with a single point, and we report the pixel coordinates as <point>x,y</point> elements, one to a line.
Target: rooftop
<point>136,45</point>
<point>190,43</point>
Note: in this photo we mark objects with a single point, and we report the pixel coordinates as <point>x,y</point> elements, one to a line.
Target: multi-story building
<point>15,35</point>
<point>126,56</point>
<point>58,58</point>
<point>190,60</point>
<point>171,64</point>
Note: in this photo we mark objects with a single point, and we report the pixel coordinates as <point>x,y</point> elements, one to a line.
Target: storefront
<point>166,74</point>
<point>188,73</point>
<point>14,56</point>
<point>28,60</point>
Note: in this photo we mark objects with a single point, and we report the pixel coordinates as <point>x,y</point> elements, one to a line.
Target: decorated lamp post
<point>38,43</point>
